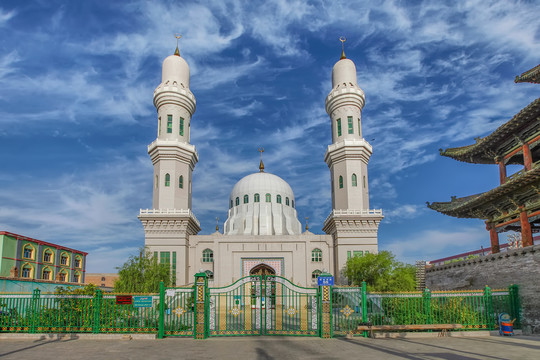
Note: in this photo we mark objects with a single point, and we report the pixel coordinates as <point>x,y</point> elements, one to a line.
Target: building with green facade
<point>30,259</point>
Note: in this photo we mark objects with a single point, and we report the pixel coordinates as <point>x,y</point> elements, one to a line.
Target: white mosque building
<point>262,234</point>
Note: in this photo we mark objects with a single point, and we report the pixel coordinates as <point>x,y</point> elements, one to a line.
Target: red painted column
<point>526,234</point>
<point>502,171</point>
<point>527,157</point>
<point>494,237</point>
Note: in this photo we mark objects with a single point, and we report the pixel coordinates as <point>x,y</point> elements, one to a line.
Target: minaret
<point>170,222</point>
<point>352,224</point>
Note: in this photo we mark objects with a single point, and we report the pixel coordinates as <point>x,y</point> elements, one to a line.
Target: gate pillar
<point>201,284</point>
<point>325,282</point>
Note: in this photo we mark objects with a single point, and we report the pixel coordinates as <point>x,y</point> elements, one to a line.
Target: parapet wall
<point>498,271</point>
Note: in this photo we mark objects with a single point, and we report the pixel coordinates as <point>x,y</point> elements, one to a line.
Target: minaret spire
<point>261,165</point>
<point>177,36</point>
<point>342,39</point>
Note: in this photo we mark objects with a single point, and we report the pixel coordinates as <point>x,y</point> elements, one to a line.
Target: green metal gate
<point>179,311</point>
<point>256,306</point>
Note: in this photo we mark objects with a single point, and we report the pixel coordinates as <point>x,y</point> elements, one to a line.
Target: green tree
<point>381,271</point>
<point>142,274</point>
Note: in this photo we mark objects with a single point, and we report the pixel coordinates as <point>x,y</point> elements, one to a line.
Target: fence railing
<point>473,310</point>
<point>172,312</point>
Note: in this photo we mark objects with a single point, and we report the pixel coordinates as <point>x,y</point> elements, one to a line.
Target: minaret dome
<point>344,72</point>
<point>175,68</point>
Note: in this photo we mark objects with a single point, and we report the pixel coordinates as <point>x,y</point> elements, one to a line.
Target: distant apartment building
<point>22,257</point>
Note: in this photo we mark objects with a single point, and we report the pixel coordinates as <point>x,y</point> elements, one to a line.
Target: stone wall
<point>498,271</point>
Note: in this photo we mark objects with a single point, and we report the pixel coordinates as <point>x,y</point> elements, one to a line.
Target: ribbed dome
<point>262,204</point>
<point>175,68</point>
<point>344,71</point>
<point>262,183</point>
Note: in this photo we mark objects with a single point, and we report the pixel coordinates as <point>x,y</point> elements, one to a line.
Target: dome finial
<point>261,165</point>
<point>342,39</point>
<point>217,224</point>
<point>177,52</point>
<point>307,226</point>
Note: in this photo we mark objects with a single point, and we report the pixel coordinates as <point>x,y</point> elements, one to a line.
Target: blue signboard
<point>325,280</point>
<point>142,301</point>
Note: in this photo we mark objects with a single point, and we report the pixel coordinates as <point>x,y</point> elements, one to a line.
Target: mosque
<point>262,234</point>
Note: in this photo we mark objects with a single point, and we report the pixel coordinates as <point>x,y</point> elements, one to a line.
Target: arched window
<point>237,201</point>
<point>353,180</point>
<point>292,203</point>
<point>181,182</point>
<point>77,262</point>
<point>278,199</point>
<point>26,271</point>
<point>268,198</point>
<point>167,180</point>
<point>256,198</point>
<point>338,127</point>
<point>315,274</point>
<point>208,256</point>
<point>28,251</point>
<point>46,274</point>
<point>209,274</point>
<point>48,256</point>
<point>62,276</point>
<point>77,277</point>
<point>246,199</point>
<point>316,255</point>
<point>64,259</point>
<point>287,201</point>
<point>340,182</point>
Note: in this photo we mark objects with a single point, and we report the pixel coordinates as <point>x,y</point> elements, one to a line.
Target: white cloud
<point>5,16</point>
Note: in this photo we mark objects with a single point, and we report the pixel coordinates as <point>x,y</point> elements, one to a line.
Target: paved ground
<point>263,348</point>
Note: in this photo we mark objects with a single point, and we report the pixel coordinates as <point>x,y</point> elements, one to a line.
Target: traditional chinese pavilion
<point>515,204</point>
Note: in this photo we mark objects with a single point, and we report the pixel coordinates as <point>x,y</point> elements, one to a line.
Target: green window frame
<point>256,198</point>
<point>338,127</point>
<point>169,124</point>
<point>268,198</point>
<point>77,262</point>
<point>181,126</point>
<point>349,254</point>
<point>278,199</point>
<point>165,257</point>
<point>47,256</point>
<point>167,180</point>
<point>181,182</point>
<point>237,201</point>
<point>246,199</point>
<point>358,253</point>
<point>340,182</point>
<point>353,180</point>
<point>64,259</point>
<point>315,274</point>
<point>287,201</point>
<point>316,255</point>
<point>209,274</point>
<point>208,256</point>
<point>350,124</point>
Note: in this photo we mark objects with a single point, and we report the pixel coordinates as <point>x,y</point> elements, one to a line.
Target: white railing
<point>363,212</point>
<point>186,212</point>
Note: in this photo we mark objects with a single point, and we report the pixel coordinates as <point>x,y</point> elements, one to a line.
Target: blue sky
<point>76,112</point>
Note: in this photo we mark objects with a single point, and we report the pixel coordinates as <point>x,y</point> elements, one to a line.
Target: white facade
<point>262,234</point>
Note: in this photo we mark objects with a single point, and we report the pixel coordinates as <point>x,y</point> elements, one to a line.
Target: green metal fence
<point>252,306</point>
<point>474,310</point>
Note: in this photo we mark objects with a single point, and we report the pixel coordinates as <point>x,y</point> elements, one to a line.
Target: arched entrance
<point>262,270</point>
